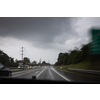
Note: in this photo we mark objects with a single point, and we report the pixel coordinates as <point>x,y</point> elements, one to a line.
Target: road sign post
<point>95,46</point>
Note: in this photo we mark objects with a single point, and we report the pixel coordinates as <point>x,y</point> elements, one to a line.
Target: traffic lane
<point>28,73</point>
<point>44,75</point>
<point>49,74</point>
<point>59,76</point>
<point>74,77</point>
<point>14,69</point>
<point>22,72</point>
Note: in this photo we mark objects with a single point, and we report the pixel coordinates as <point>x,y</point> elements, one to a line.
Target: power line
<point>7,42</point>
<point>8,48</point>
<point>8,45</point>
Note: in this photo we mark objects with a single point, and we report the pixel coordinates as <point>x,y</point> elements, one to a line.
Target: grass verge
<point>81,65</point>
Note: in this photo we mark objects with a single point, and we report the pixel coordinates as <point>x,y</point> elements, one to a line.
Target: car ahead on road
<point>5,71</point>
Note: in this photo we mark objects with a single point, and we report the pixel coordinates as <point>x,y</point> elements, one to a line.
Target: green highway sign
<point>95,44</point>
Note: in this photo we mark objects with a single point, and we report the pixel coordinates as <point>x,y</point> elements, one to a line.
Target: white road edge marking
<point>60,75</point>
<point>19,74</point>
<point>40,73</point>
<point>22,73</point>
<point>37,72</point>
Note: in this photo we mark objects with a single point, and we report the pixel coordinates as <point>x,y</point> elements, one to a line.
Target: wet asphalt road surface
<point>50,73</point>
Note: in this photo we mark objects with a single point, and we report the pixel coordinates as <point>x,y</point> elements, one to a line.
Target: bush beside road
<point>81,65</point>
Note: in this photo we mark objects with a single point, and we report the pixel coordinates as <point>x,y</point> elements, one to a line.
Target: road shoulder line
<point>61,75</point>
<point>19,74</point>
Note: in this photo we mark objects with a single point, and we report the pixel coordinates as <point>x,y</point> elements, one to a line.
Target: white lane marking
<point>37,72</point>
<point>22,73</point>
<point>41,72</point>
<point>51,75</point>
<point>60,74</point>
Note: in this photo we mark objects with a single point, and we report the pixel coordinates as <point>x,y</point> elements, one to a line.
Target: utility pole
<point>48,61</point>
<point>22,50</point>
<point>40,61</point>
<point>22,54</point>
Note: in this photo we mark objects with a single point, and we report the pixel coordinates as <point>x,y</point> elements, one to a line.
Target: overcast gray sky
<point>44,37</point>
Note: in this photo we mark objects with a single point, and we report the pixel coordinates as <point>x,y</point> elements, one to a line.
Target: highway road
<point>50,73</point>
<point>45,73</point>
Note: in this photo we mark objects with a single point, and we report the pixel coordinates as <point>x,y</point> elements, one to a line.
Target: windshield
<point>51,48</point>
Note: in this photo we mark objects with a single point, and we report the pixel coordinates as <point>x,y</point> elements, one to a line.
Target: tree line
<point>77,55</point>
<point>6,60</point>
<point>9,61</point>
<point>26,61</point>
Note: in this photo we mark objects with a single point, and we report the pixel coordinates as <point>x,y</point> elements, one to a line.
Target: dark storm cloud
<point>41,32</point>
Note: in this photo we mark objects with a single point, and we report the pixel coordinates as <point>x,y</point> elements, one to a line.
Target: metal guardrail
<point>86,71</point>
